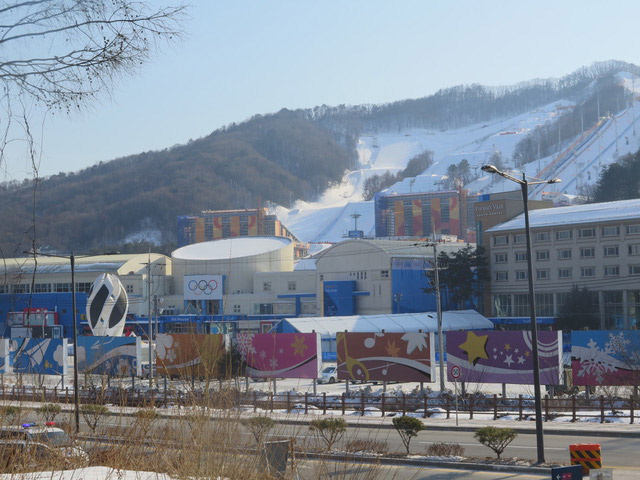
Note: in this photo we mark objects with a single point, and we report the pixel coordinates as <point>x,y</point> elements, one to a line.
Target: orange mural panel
<point>398,214</point>
<point>436,217</point>
<point>252,225</point>
<point>189,354</point>
<point>199,230</point>
<point>417,218</point>
<point>454,215</point>
<point>217,227</point>
<point>235,226</point>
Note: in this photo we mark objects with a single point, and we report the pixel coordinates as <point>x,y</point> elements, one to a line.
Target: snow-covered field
<point>581,160</point>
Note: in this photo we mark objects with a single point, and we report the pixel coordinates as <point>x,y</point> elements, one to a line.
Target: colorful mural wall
<point>45,356</point>
<point>605,357</point>
<point>113,356</point>
<point>4,356</point>
<point>503,357</point>
<point>189,354</point>
<point>402,357</point>
<point>281,355</point>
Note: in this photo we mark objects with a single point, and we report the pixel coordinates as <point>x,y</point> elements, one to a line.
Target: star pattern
<point>475,347</point>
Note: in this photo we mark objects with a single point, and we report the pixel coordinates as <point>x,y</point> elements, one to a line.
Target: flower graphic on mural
<point>244,343</point>
<point>299,346</point>
<point>391,349</point>
<point>273,363</point>
<point>415,340</point>
<point>164,344</point>
<point>124,367</point>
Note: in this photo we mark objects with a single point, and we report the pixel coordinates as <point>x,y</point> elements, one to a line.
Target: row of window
<point>291,286</point>
<point>564,273</point>
<point>567,253</point>
<point>538,237</point>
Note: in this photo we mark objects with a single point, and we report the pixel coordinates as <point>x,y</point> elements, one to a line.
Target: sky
<point>241,58</point>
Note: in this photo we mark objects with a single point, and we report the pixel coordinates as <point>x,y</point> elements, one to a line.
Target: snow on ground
<point>88,473</point>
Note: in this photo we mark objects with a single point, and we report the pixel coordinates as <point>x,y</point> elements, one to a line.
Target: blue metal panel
<point>408,281</point>
<point>339,299</point>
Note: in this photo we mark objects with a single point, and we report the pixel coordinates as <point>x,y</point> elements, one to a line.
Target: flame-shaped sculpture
<point>107,306</point>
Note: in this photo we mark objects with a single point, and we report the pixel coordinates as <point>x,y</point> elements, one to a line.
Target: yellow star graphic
<point>475,347</point>
<point>299,346</point>
<point>392,350</point>
<point>507,347</point>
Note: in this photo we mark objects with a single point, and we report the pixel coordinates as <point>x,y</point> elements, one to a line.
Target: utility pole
<point>633,103</point>
<point>150,324</point>
<point>439,315</point>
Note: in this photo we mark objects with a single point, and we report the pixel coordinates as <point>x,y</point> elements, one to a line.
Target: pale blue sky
<point>245,57</point>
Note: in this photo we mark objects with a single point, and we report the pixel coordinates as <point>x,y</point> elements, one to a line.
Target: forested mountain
<point>276,158</point>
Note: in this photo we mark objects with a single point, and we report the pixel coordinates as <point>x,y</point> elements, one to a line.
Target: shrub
<point>10,413</point>
<point>93,415</point>
<point>49,411</point>
<point>367,445</point>
<point>497,439</point>
<point>329,430</point>
<point>443,449</point>
<point>407,427</point>
<point>258,426</point>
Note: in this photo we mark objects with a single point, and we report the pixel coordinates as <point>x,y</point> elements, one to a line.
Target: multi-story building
<point>596,246</point>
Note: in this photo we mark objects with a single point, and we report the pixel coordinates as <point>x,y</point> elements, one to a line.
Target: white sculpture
<point>107,306</point>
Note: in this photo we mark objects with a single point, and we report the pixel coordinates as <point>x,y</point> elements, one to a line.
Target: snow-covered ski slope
<point>578,163</point>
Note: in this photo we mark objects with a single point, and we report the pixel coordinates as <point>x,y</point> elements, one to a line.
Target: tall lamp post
<point>72,260</point>
<point>438,313</point>
<point>524,185</point>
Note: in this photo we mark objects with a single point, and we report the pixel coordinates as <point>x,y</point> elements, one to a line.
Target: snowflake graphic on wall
<point>597,361</point>
<point>244,343</point>
<point>617,343</point>
<point>273,363</point>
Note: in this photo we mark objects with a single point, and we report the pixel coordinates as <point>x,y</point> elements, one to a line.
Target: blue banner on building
<point>43,356</point>
<point>4,356</point>
<point>113,356</point>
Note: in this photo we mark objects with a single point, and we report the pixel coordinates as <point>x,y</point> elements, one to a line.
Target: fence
<point>571,408</point>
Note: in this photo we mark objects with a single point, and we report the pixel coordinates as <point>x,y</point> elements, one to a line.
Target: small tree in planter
<point>258,426</point>
<point>93,415</point>
<point>329,430</point>
<point>407,427</point>
<point>497,439</point>
<point>49,411</point>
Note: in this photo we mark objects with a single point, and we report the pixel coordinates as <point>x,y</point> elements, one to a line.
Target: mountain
<point>323,157</point>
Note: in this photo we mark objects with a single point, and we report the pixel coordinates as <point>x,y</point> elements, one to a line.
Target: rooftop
<point>228,248</point>
<point>575,215</point>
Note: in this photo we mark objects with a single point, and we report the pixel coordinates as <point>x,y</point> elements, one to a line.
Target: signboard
<point>44,356</point>
<point>189,354</point>
<point>280,355</point>
<point>402,357</point>
<point>112,356</point>
<point>567,473</point>
<point>605,357</point>
<point>203,287</point>
<point>504,357</point>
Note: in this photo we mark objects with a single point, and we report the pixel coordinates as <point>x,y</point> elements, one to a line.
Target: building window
<point>501,240</point>
<point>611,271</point>
<point>263,308</point>
<point>445,214</point>
<point>291,286</point>
<point>587,232</point>
<point>564,254</point>
<point>521,256</point>
<point>520,305</point>
<point>502,305</point>
<point>266,286</point>
<point>83,287</point>
<point>564,235</point>
<point>611,251</point>
<point>501,258</point>
<point>542,255</point>
<point>384,273</point>
<point>544,304</point>
<point>587,252</point>
<point>634,269</point>
<point>521,275</point>
<point>633,229</point>
<point>610,231</point>
<point>565,273</point>
<point>236,309</point>
<point>541,237</point>
<point>20,288</point>
<point>543,274</point>
<point>502,276</point>
<point>520,238</point>
<point>129,288</point>
<point>634,249</point>
<point>62,287</point>
<point>586,272</point>
<point>4,288</point>
<point>42,288</point>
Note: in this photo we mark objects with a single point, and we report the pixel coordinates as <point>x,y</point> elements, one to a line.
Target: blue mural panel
<point>4,356</point>
<point>113,356</point>
<point>44,356</point>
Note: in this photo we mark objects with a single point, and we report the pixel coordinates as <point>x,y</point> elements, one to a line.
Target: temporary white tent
<point>404,322</point>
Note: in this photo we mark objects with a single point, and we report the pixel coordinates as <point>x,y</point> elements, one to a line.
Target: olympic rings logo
<point>202,287</point>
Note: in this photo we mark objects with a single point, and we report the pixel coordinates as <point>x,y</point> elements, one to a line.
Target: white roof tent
<point>397,323</point>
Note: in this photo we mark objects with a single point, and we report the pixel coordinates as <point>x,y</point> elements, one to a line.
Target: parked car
<point>44,438</point>
<point>329,375</point>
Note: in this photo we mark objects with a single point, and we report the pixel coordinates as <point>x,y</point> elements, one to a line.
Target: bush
<point>10,413</point>
<point>329,430</point>
<point>368,446</point>
<point>442,449</point>
<point>49,411</point>
<point>93,415</point>
<point>497,439</point>
<point>407,427</point>
<point>258,426</point>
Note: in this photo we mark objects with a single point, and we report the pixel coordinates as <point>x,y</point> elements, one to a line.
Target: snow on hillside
<point>579,163</point>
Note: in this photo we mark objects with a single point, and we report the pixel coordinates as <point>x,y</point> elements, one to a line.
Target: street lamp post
<point>438,314</point>
<point>524,185</point>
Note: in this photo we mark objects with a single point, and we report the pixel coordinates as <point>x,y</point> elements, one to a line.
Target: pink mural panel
<point>280,355</point>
